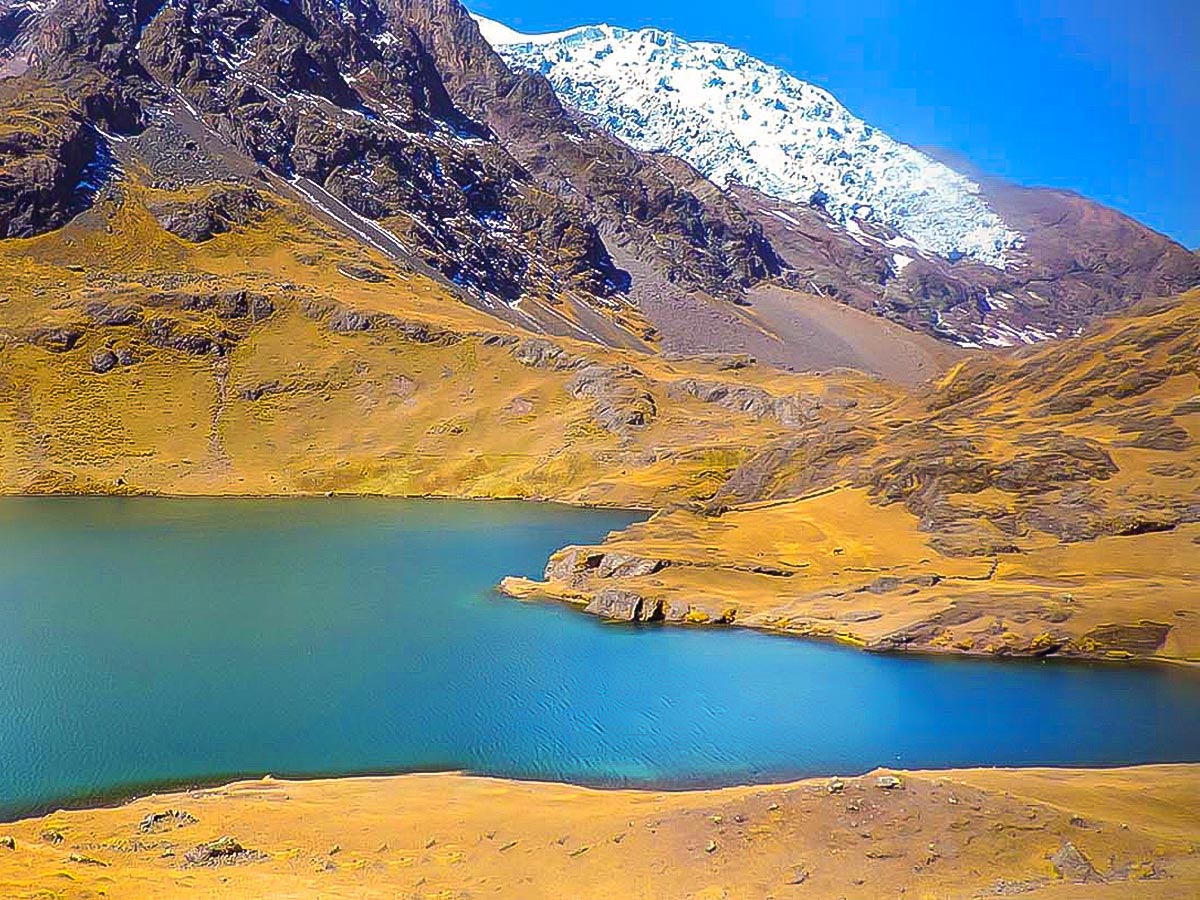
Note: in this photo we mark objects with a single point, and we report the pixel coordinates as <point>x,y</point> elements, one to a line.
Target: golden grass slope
<point>296,404</point>
<point>1040,833</point>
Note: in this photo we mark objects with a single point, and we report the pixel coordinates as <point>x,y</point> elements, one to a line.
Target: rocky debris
<point>345,321</point>
<point>201,219</point>
<point>1164,436</point>
<point>1073,459</point>
<point>937,465</point>
<point>268,389</point>
<point>796,875</point>
<point>888,783</point>
<point>231,304</point>
<point>539,353</point>
<point>624,606</point>
<point>574,565</point>
<point>1071,865</point>
<point>166,821</point>
<point>7,842</point>
<point>1188,407</point>
<point>519,406</point>
<point>52,837</point>
<point>627,565</point>
<point>223,851</point>
<point>725,362</point>
<point>860,615</point>
<point>699,612</point>
<point>884,584</point>
<point>165,334</point>
<point>342,319</point>
<point>835,786</point>
<point>571,563</point>
<point>621,405</point>
<point>753,401</point>
<point>113,314</point>
<point>821,452</point>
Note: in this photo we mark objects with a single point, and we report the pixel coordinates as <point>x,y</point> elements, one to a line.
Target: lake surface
<point>149,641</point>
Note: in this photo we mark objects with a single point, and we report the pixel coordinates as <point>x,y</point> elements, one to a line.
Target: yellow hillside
<point>1030,504</point>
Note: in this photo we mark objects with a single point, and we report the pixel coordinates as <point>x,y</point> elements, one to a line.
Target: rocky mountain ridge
<point>397,123</point>
<point>852,213</point>
<point>347,102</point>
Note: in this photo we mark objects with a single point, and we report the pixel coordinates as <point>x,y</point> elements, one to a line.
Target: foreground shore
<point>1100,833</point>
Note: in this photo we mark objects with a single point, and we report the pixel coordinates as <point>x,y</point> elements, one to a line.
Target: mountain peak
<point>739,119</point>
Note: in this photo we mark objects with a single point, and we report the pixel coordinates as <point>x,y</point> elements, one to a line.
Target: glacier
<point>738,119</point>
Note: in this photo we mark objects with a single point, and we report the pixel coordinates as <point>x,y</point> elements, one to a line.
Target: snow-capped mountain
<point>737,118</point>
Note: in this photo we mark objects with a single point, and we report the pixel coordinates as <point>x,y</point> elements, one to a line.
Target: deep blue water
<point>172,641</point>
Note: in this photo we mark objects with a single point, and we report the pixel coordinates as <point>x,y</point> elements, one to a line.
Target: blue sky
<point>1100,96</point>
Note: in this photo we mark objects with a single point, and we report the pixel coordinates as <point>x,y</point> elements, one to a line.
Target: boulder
<point>104,361</point>
<point>624,606</point>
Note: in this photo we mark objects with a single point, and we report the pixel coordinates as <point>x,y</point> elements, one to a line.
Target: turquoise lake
<point>148,642</point>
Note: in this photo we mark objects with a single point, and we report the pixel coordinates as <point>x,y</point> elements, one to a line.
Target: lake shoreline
<point>535,594</point>
<point>524,589</point>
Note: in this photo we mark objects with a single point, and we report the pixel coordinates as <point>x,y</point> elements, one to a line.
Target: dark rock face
<point>41,168</point>
<point>343,95</point>
<point>58,340</point>
<point>694,233</point>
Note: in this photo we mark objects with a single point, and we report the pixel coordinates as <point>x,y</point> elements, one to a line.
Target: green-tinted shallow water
<point>148,641</point>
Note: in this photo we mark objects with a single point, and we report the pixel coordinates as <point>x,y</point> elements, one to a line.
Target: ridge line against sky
<point>1097,96</point>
